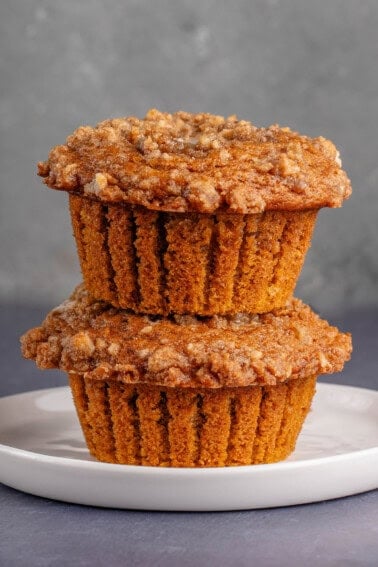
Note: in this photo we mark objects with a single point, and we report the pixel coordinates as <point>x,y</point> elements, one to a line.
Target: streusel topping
<point>198,162</point>
<point>90,337</point>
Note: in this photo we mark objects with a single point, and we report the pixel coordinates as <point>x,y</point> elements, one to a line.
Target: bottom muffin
<point>141,424</point>
<point>188,391</point>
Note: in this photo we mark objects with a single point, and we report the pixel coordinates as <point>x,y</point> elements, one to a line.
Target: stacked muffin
<point>184,345</point>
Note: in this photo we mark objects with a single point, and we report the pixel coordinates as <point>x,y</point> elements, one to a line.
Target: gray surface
<point>327,534</point>
<point>312,65</point>
<point>37,532</point>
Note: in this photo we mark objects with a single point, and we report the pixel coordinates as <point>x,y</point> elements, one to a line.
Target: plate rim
<point>182,471</point>
<point>170,489</point>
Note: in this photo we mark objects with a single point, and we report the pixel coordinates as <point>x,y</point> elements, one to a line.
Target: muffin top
<point>198,163</point>
<point>90,337</point>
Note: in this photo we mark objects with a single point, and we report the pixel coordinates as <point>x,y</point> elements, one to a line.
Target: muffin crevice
<point>148,261</point>
<point>278,254</point>
<point>247,261</point>
<point>99,419</point>
<point>131,450</point>
<point>213,251</point>
<point>269,422</point>
<point>161,255</point>
<point>107,255</point>
<point>122,234</point>
<point>164,420</point>
<point>199,421</point>
<point>98,271</point>
<point>75,206</point>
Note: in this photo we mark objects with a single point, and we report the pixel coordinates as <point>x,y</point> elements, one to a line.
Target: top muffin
<point>200,163</point>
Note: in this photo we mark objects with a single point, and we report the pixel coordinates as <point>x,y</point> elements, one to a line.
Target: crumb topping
<point>198,162</point>
<point>91,338</point>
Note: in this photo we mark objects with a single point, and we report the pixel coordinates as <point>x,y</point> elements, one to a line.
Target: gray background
<point>310,65</point>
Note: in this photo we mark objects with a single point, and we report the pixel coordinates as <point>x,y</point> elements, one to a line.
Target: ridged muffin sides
<point>149,425</point>
<point>161,262</point>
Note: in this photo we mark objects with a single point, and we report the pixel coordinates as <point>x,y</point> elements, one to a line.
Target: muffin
<point>188,391</point>
<point>194,213</point>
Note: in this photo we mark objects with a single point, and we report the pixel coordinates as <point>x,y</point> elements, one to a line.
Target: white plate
<point>42,451</point>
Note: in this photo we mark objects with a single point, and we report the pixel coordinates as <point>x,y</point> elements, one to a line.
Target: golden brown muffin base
<point>141,424</point>
<point>160,263</point>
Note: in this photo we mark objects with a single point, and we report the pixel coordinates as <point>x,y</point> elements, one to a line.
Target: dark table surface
<point>40,532</point>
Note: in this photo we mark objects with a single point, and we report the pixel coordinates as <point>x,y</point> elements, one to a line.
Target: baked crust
<point>91,338</point>
<point>198,163</point>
